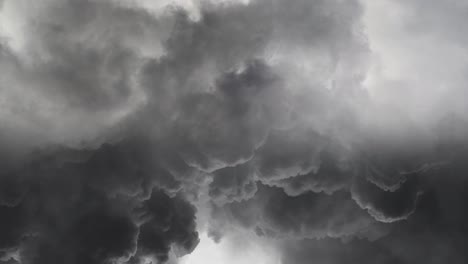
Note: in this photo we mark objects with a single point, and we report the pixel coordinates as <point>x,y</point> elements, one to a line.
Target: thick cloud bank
<point>335,130</point>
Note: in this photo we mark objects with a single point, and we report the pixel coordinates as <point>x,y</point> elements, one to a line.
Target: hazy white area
<point>417,65</point>
<point>236,249</point>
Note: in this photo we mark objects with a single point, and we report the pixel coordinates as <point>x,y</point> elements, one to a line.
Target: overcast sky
<point>233,131</point>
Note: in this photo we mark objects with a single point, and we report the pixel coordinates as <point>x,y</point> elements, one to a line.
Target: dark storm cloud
<point>95,206</point>
<point>331,174</point>
<point>112,203</point>
<point>387,206</point>
<point>233,184</point>
<point>366,220</point>
<point>289,153</point>
<point>212,101</point>
<point>311,215</point>
<point>176,227</point>
<point>330,251</point>
<point>223,128</point>
<point>434,232</point>
<point>256,107</point>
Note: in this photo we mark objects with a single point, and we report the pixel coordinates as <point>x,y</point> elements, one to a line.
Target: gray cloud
<point>96,206</point>
<point>275,117</point>
<point>233,184</point>
<point>310,215</point>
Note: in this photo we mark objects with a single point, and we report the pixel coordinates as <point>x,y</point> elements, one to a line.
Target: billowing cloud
<point>96,205</point>
<point>328,128</point>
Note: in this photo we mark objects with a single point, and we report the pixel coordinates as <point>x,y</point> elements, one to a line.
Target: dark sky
<point>297,132</point>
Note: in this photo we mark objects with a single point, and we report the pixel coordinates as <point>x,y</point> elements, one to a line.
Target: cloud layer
<point>333,129</point>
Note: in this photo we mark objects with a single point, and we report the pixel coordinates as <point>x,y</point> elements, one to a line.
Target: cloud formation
<point>295,121</point>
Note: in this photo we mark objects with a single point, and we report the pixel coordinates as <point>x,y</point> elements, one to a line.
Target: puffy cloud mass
<point>335,130</point>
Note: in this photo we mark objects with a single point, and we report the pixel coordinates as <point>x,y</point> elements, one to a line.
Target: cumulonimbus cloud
<point>272,116</point>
